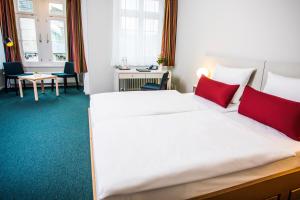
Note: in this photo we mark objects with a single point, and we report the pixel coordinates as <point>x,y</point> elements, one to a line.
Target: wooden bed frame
<point>280,186</point>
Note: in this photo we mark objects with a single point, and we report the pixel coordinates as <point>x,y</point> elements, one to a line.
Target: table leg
<point>56,85</point>
<point>36,97</point>
<point>43,86</point>
<point>20,88</point>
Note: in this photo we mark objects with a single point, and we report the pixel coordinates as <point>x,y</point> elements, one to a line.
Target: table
<point>133,76</point>
<point>34,79</point>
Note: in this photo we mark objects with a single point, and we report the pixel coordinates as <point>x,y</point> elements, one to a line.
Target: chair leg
<point>52,84</point>
<point>65,85</point>
<point>24,84</point>
<point>76,79</point>
<point>16,88</point>
<point>6,79</point>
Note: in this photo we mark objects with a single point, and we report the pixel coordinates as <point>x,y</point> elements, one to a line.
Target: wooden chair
<point>11,71</point>
<point>154,86</point>
<point>68,73</point>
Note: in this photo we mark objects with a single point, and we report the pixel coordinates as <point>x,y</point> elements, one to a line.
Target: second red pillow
<point>273,111</point>
<point>218,92</point>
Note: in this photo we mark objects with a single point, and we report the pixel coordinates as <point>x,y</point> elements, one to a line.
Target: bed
<point>281,169</point>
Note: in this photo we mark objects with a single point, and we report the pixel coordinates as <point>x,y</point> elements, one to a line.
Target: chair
<point>11,71</point>
<point>153,86</point>
<point>68,73</point>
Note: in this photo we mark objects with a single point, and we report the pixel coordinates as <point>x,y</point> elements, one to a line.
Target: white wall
<point>99,45</point>
<point>253,29</point>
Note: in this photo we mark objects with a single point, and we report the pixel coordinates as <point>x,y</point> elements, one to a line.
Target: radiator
<point>135,84</point>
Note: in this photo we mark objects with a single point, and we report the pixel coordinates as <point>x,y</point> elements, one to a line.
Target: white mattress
<point>268,132</point>
<point>107,106</point>
<point>207,104</point>
<point>197,188</point>
<point>143,153</point>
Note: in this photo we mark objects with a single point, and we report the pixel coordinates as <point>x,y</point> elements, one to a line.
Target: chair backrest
<point>13,68</point>
<point>69,68</point>
<point>164,81</point>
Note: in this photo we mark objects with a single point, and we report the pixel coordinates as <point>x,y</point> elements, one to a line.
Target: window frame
<point>42,16</point>
<point>120,12</point>
<point>50,39</point>
<point>21,39</point>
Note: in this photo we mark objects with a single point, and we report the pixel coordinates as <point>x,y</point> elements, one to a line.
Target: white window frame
<point>119,13</point>
<point>43,33</point>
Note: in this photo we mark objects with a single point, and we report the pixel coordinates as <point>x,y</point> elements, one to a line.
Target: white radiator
<point>132,80</point>
<point>135,84</point>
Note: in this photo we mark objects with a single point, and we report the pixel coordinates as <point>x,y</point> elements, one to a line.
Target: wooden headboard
<point>256,78</point>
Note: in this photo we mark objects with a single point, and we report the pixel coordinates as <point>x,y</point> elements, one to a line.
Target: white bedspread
<point>107,106</point>
<point>207,104</point>
<point>148,152</point>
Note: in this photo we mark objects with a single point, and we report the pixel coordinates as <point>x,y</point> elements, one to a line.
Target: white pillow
<point>233,76</point>
<point>282,86</point>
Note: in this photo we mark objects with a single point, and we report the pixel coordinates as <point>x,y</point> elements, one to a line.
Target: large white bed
<point>151,155</point>
<point>167,145</point>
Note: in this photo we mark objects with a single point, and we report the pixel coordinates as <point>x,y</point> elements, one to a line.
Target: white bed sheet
<point>197,188</point>
<point>268,132</point>
<point>135,156</point>
<point>211,105</point>
<point>107,106</point>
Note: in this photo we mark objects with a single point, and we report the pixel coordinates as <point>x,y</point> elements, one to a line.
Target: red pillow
<point>215,91</point>
<point>276,112</point>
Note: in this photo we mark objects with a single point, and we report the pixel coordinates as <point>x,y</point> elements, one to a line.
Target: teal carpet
<point>44,146</point>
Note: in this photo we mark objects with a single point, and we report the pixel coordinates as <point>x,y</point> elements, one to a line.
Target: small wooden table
<point>34,78</point>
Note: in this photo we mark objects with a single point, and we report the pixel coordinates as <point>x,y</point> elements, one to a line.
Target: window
<point>56,9</point>
<point>42,31</point>
<point>137,31</point>
<point>28,39</point>
<point>57,28</point>
<point>25,6</point>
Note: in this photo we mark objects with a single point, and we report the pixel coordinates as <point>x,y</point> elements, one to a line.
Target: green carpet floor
<point>44,146</point>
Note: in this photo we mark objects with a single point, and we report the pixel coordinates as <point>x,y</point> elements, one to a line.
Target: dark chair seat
<point>12,70</point>
<point>68,73</point>
<point>16,75</point>
<point>151,86</point>
<point>61,75</point>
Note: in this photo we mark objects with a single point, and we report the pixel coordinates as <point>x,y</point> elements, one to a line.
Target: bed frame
<point>280,186</point>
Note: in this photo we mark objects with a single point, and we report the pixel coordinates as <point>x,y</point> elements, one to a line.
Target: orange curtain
<point>9,30</point>
<point>75,36</point>
<point>169,32</point>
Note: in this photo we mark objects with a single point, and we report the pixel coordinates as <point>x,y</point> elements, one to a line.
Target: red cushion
<point>218,92</point>
<point>273,111</point>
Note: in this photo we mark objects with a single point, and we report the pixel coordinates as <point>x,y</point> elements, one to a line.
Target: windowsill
<point>44,65</point>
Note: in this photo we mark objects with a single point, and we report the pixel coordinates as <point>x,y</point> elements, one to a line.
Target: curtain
<point>9,30</point>
<point>137,29</point>
<point>75,36</point>
<point>168,47</point>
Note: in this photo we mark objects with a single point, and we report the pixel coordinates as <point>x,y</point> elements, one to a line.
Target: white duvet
<point>107,106</point>
<point>148,152</point>
<point>115,105</point>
